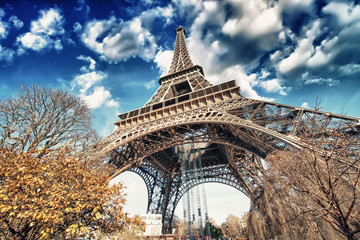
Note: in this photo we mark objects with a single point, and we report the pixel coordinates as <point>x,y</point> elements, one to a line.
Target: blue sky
<point>111,53</point>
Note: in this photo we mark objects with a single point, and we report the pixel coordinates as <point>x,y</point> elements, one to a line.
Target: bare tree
<point>233,227</point>
<point>179,226</point>
<point>277,214</point>
<point>326,173</point>
<point>303,193</point>
<point>39,117</point>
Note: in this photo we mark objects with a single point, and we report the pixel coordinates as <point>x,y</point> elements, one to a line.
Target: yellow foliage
<point>45,195</point>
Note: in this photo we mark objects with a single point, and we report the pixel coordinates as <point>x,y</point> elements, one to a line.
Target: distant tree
<point>233,226</point>
<point>39,117</point>
<point>215,231</point>
<point>56,195</point>
<point>178,226</point>
<point>131,231</point>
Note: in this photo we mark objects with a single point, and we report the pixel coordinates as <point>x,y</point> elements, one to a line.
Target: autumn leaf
<point>55,195</point>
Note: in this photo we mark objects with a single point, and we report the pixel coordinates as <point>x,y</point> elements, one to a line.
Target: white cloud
<point>150,85</point>
<point>43,32</point>
<point>254,18</point>
<point>264,74</point>
<point>350,69</point>
<point>290,39</point>
<point>163,60</point>
<point>118,40</point>
<point>218,48</point>
<point>87,80</point>
<point>205,12</point>
<point>323,48</point>
<point>319,58</point>
<point>305,105</point>
<point>50,23</point>
<point>16,22</point>
<point>209,61</point>
<point>347,13</point>
<point>121,40</point>
<point>267,21</point>
<point>276,56</point>
<point>57,45</point>
<point>82,7</point>
<point>77,27</point>
<point>3,30</point>
<point>6,54</point>
<point>88,86</point>
<point>166,12</point>
<point>135,26</point>
<point>296,5</point>
<point>273,86</point>
<point>232,27</point>
<point>244,81</point>
<point>112,103</point>
<point>297,58</point>
<point>97,98</point>
<point>33,41</point>
<point>304,52</point>
<point>20,51</point>
<point>92,62</point>
<point>348,17</point>
<point>331,82</point>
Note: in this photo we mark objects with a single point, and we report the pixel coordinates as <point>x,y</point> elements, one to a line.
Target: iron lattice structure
<point>237,133</point>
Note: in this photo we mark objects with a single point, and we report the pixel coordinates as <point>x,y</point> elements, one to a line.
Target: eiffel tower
<point>236,133</point>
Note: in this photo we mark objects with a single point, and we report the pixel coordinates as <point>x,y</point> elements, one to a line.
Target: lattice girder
<point>259,142</point>
<point>283,118</point>
<point>247,139</point>
<point>191,119</point>
<point>154,180</point>
<point>190,80</point>
<point>280,121</point>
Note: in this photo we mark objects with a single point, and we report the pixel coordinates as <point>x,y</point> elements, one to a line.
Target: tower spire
<point>183,77</point>
<point>181,58</point>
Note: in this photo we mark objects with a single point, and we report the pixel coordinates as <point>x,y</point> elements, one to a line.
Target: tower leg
<point>162,192</point>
